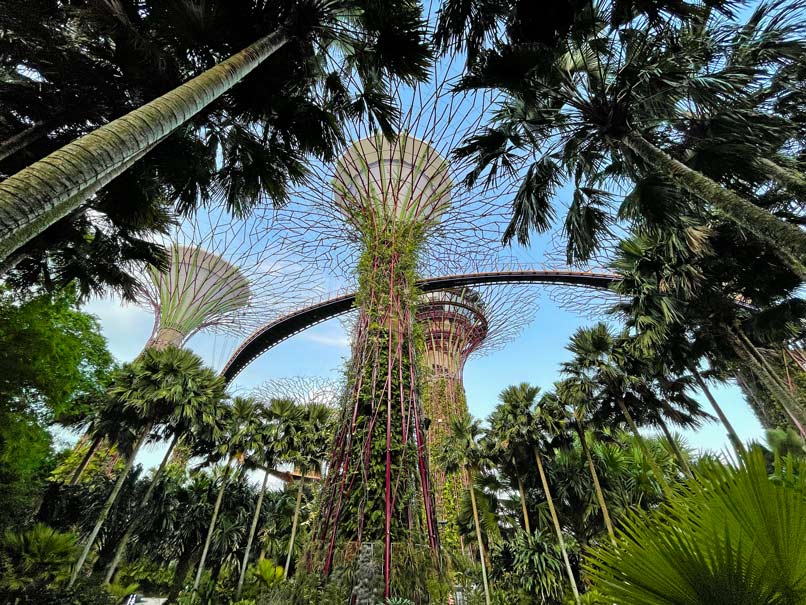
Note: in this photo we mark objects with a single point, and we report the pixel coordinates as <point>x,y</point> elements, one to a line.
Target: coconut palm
<point>733,535</point>
<point>362,30</point>
<point>601,106</point>
<point>462,452</point>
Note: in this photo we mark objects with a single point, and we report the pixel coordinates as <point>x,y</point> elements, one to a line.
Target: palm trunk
<point>51,188</point>
<point>22,139</point>
<point>252,530</point>
<point>556,521</point>
<point>779,393</point>
<point>787,239</point>
<point>792,180</point>
<point>732,435</point>
<point>583,440</point>
<point>645,450</point>
<point>110,501</point>
<point>121,547</point>
<point>211,529</point>
<point>85,461</point>
<point>751,348</point>
<point>523,504</point>
<point>294,526</point>
<point>678,454</point>
<point>478,537</point>
<point>183,565</point>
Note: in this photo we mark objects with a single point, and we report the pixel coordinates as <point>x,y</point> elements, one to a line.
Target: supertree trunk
<point>380,449</point>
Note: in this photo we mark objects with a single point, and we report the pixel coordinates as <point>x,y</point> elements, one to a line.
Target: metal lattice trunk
<point>378,487</point>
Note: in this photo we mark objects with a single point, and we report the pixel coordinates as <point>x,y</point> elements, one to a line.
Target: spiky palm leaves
<point>168,387</point>
<point>600,110</point>
<point>733,535</point>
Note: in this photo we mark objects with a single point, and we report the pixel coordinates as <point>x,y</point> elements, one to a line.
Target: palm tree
<point>312,438</point>
<point>196,411</point>
<point>84,166</point>
<point>575,395</point>
<point>154,386</point>
<point>606,367</point>
<point>461,452</point>
<point>685,286</point>
<point>544,422</point>
<point>268,450</point>
<point>604,101</point>
<point>241,434</point>
<point>733,535</point>
<point>506,434</point>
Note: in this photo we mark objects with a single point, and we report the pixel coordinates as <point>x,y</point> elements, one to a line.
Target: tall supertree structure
<point>456,324</point>
<point>390,191</point>
<point>396,207</point>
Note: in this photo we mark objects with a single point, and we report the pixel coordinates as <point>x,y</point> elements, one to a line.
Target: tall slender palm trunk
<point>249,540</point>
<point>121,547</point>
<point>732,435</point>
<point>208,540</point>
<point>294,526</point>
<point>525,512</point>
<point>790,179</point>
<point>678,453</point>
<point>85,461</point>
<point>653,464</point>
<point>787,240</point>
<point>583,440</point>
<point>47,190</point>
<point>110,501</point>
<point>556,522</point>
<point>766,376</point>
<point>478,537</point>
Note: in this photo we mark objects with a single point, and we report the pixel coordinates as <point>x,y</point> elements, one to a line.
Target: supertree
<point>390,192</point>
<point>223,275</point>
<point>456,324</point>
<point>390,211</point>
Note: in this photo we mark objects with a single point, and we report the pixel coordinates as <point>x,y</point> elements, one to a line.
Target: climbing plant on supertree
<point>390,192</point>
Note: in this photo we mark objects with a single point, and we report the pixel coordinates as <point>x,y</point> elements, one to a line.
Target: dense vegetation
<point>679,129</point>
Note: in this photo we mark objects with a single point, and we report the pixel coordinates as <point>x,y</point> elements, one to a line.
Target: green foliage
<point>731,535</point>
<point>52,354</point>
<point>266,574</point>
<point>40,555</point>
<point>54,363</point>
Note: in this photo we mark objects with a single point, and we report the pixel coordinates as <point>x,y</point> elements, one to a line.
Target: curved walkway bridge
<point>275,332</point>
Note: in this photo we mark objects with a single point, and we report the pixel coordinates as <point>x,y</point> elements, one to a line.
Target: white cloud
<point>329,340</point>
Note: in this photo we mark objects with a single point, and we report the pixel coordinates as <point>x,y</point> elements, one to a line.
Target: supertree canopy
<point>456,324</point>
<point>196,290</point>
<point>223,275</point>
